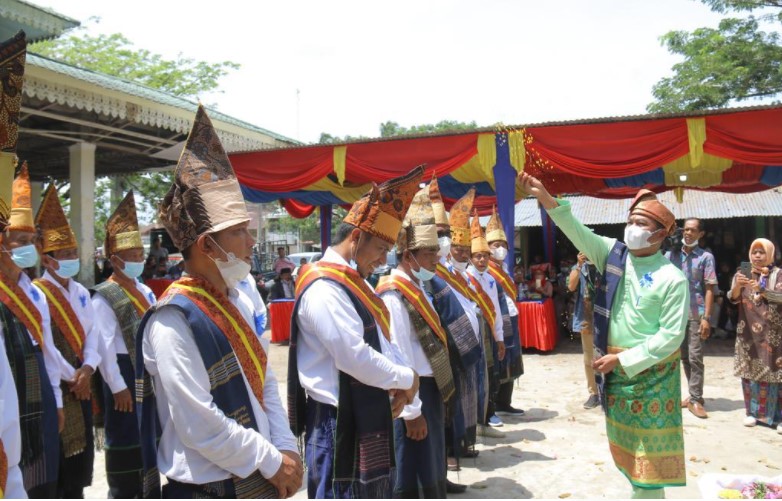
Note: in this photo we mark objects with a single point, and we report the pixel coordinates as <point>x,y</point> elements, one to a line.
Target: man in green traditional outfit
<point>640,313</point>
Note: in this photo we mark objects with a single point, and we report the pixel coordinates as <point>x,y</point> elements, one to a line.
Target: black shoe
<point>467,453</point>
<point>454,488</point>
<point>509,411</point>
<point>592,402</point>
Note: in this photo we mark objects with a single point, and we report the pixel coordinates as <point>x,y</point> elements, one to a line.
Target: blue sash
<point>228,390</point>
<point>605,291</point>
<point>364,460</point>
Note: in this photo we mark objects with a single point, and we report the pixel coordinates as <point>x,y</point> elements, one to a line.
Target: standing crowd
<point>388,388</point>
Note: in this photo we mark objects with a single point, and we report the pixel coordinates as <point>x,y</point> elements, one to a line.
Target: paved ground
<point>559,450</point>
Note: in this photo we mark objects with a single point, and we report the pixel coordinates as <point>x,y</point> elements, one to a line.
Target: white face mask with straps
<point>233,270</point>
<point>637,238</point>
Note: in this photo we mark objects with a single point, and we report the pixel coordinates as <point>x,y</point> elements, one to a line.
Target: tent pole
<point>325,227</point>
<point>505,188</point>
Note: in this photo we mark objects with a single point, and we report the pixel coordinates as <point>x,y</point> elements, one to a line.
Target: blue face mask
<point>422,273</point>
<point>68,268</point>
<point>25,257</point>
<point>132,269</point>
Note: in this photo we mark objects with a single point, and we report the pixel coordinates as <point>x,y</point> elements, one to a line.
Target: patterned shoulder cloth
<point>502,278</point>
<point>429,331</point>
<point>225,342</point>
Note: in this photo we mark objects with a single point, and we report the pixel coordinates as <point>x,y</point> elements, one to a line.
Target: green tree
<point>391,129</point>
<point>736,61</point>
<point>117,56</point>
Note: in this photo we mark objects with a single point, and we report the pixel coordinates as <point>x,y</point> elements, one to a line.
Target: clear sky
<point>358,63</point>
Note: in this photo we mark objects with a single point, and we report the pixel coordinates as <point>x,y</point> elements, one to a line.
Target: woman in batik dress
<point>758,360</point>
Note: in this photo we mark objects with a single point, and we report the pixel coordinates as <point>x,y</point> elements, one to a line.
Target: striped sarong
<point>644,424</point>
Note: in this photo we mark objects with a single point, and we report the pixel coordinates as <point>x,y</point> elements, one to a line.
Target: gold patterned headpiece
<point>21,218</point>
<point>13,53</point>
<point>494,231</point>
<point>56,232</point>
<point>5,212</point>
<point>205,196</point>
<point>419,230</point>
<point>440,216</point>
<point>122,227</point>
<point>478,240</point>
<point>380,211</point>
<point>460,219</point>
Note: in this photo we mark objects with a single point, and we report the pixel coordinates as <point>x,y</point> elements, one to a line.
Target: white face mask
<point>233,270</point>
<point>636,238</point>
<point>459,266</point>
<point>499,253</point>
<point>445,246</point>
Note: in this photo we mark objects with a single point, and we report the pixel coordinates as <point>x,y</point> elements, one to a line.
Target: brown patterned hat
<point>494,231</point>
<point>460,219</point>
<point>419,230</point>
<point>646,204</point>
<point>21,218</point>
<point>205,196</point>
<point>12,59</point>
<point>380,211</point>
<point>122,227</point>
<point>13,53</point>
<point>478,241</point>
<point>56,232</point>
<point>440,216</point>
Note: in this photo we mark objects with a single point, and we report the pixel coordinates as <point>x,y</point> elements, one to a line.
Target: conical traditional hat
<point>56,232</point>
<point>478,241</point>
<point>440,216</point>
<point>460,219</point>
<point>206,196</point>
<point>122,227</point>
<point>380,212</point>
<point>419,230</point>
<point>494,231</point>
<point>21,218</point>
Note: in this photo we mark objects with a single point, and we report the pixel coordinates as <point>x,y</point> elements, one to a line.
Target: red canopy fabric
<point>297,209</point>
<point>605,149</point>
<point>750,137</point>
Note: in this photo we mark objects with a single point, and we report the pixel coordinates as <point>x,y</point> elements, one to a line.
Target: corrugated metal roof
<point>138,90</point>
<point>700,204</point>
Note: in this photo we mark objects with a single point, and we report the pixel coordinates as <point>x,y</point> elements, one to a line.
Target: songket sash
<point>349,278</point>
<point>484,302</point>
<point>429,332</point>
<point>64,317</point>
<point>502,278</point>
<point>644,423</point>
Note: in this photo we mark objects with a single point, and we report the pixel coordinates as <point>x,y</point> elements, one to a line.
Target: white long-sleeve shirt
<point>469,307</point>
<point>404,336</point>
<point>51,355</point>
<point>79,299</point>
<point>331,339</point>
<point>199,442</point>
<point>260,315</point>
<point>490,287</point>
<point>113,342</point>
<point>10,433</point>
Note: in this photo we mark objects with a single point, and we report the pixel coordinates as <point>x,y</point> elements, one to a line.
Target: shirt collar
<point>48,276</point>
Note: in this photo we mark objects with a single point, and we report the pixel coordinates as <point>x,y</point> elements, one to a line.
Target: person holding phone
<point>757,290</point>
